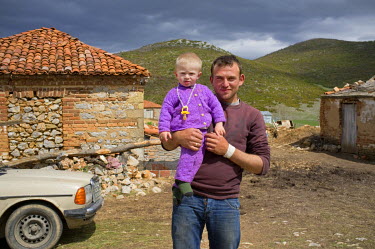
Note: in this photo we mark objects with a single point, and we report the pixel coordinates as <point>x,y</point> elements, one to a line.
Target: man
<point>216,185</point>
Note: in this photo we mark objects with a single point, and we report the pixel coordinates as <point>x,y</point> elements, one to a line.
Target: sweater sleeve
<point>257,141</point>
<point>166,112</point>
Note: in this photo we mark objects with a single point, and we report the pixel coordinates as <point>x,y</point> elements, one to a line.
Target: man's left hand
<point>216,144</point>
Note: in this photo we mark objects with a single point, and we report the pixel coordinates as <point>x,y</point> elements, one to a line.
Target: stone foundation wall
<point>159,161</point>
<point>61,112</point>
<point>41,127</point>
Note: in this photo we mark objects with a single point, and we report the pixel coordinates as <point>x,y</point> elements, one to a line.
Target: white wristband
<point>230,151</point>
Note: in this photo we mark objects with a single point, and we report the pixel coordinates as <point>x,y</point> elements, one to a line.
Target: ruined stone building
<point>347,118</point>
<point>66,94</point>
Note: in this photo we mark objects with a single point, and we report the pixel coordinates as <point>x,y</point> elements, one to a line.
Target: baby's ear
<point>199,74</point>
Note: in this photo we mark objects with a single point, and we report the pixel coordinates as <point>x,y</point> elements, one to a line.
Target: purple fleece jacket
<point>204,108</point>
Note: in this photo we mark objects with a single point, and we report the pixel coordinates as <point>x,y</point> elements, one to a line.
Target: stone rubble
<point>119,174</point>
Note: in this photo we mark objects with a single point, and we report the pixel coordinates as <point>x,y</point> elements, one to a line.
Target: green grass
<point>326,62</point>
<point>294,77</point>
<point>114,233</point>
<point>299,123</point>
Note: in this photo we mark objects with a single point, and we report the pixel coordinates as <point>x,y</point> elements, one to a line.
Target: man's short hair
<point>190,59</point>
<point>226,60</point>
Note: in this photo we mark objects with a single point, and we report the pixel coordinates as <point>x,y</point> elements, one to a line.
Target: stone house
<point>347,118</point>
<point>66,94</point>
<point>151,111</point>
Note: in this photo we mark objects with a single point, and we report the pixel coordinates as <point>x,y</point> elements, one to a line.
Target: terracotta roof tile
<point>50,51</point>
<point>149,104</point>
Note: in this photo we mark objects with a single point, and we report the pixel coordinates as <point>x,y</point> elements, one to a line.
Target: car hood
<point>32,181</point>
<point>45,173</point>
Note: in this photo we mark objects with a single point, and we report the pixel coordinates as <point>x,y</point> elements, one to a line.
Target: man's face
<point>226,81</point>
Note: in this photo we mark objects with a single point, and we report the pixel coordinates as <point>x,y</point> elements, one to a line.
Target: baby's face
<point>187,76</point>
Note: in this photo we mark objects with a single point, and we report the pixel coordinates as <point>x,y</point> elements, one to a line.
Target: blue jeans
<point>222,218</point>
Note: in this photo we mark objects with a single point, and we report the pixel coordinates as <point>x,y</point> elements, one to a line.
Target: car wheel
<point>33,226</point>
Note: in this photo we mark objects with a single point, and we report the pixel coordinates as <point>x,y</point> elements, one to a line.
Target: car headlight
<point>83,195</point>
<point>88,190</point>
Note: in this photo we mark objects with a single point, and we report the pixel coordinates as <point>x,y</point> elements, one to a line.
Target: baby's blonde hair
<point>190,59</point>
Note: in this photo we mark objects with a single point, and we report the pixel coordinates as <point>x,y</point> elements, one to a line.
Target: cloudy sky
<point>247,28</point>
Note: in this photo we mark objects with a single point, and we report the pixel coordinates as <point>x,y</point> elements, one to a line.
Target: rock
<point>156,190</point>
<point>27,109</point>
<point>146,174</point>
<point>79,164</point>
<point>83,106</point>
<point>58,140</point>
<point>54,133</point>
<point>36,134</point>
<point>145,185</point>
<point>15,109</point>
<point>66,163</point>
<point>119,197</point>
<point>42,108</point>
<point>102,157</point>
<point>41,127</point>
<point>12,134</point>
<point>15,153</point>
<point>41,117</point>
<point>49,144</point>
<point>120,177</point>
<point>54,107</point>
<point>114,188</point>
<point>126,181</point>
<point>126,189</point>
<point>29,152</point>
<point>132,161</point>
<point>23,146</point>
<point>55,121</point>
<point>98,171</point>
<point>140,193</point>
<point>312,244</point>
<point>113,163</point>
<point>87,116</point>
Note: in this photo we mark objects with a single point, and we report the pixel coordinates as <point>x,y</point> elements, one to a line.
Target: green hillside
<point>266,87</point>
<point>325,62</point>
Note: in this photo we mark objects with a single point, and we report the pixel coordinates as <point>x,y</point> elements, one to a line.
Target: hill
<point>326,62</point>
<point>266,87</point>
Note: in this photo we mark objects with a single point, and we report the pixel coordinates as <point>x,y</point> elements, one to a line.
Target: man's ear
<point>242,79</point>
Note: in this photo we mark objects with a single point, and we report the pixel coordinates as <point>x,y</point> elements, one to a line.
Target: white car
<point>36,203</point>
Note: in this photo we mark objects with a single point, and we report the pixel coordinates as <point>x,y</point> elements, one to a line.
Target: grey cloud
<point>116,25</point>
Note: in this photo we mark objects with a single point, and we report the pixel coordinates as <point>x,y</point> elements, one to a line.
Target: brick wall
<point>97,111</point>
<point>102,117</point>
<point>159,161</point>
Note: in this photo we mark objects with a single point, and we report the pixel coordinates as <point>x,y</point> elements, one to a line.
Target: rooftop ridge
<point>50,51</point>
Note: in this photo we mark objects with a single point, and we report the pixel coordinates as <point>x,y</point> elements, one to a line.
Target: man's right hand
<point>190,138</point>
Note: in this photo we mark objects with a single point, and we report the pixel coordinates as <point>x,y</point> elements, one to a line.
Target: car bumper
<point>84,213</point>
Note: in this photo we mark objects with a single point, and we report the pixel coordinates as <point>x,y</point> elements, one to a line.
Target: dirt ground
<point>309,199</point>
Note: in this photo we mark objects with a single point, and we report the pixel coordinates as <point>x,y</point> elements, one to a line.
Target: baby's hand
<point>165,136</point>
<point>219,129</point>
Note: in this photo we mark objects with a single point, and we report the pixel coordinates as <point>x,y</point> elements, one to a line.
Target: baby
<point>189,105</point>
